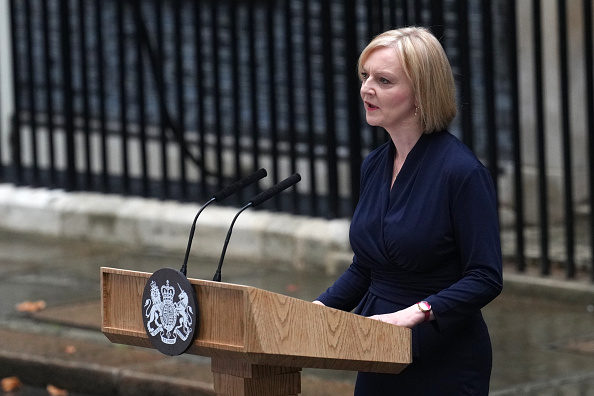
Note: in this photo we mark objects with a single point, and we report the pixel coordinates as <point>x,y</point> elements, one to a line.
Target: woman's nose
<point>366,87</point>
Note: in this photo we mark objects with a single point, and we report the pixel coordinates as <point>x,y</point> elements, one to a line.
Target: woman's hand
<point>408,317</point>
<point>319,302</point>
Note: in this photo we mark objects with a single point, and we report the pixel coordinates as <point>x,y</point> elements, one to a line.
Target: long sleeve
<point>349,288</point>
<point>476,227</point>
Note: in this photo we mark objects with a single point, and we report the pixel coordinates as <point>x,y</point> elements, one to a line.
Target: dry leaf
<point>10,384</point>
<point>31,306</point>
<point>55,391</point>
<point>70,349</point>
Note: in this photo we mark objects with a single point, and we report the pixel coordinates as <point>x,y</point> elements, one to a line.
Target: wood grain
<point>255,326</point>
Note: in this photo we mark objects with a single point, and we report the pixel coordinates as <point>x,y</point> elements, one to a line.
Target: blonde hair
<point>426,65</point>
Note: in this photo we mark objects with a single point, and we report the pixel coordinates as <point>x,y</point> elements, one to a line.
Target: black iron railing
<point>221,88</point>
<point>175,98</point>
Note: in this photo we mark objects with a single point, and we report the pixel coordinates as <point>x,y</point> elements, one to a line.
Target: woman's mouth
<point>370,106</point>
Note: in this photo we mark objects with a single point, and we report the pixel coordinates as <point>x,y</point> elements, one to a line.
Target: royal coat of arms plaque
<point>169,311</point>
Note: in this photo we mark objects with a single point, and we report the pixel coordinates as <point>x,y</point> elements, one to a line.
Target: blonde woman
<point>425,233</point>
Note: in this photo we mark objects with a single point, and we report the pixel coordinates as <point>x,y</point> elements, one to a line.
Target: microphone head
<point>276,189</point>
<point>240,184</point>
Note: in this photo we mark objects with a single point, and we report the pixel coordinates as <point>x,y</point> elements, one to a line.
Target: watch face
<point>425,306</point>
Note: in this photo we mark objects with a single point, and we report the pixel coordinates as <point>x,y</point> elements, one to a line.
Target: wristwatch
<point>425,307</point>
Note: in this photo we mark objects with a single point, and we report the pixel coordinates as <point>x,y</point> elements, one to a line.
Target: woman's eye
<point>384,80</point>
<point>364,76</point>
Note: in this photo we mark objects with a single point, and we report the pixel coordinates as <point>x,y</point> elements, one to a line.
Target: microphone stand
<point>257,200</point>
<point>219,196</point>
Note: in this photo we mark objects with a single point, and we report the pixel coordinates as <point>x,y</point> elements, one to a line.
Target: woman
<point>425,233</point>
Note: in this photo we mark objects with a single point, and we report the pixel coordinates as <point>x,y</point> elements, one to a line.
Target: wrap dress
<point>433,236</point>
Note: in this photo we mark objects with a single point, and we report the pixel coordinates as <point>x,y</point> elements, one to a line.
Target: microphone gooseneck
<point>257,200</point>
<point>217,275</point>
<point>219,196</point>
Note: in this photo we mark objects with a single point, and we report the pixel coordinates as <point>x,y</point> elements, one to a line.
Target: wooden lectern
<point>258,340</point>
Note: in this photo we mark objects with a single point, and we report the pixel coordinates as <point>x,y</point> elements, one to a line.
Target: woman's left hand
<point>408,317</point>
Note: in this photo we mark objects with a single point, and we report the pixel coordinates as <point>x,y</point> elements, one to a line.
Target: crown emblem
<point>155,295</point>
<point>168,292</point>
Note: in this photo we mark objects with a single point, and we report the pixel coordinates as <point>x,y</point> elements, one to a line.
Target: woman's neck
<point>404,141</point>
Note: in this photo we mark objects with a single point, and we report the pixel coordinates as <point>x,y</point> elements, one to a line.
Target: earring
<point>416,110</point>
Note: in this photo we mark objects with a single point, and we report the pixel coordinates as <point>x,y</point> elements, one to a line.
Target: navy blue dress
<point>433,236</point>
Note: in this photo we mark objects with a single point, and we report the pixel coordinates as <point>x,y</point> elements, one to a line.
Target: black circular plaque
<point>169,311</point>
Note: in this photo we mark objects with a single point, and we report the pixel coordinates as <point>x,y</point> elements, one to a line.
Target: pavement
<point>62,344</point>
<point>542,329</point>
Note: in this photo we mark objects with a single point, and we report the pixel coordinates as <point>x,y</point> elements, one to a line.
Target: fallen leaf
<point>55,391</point>
<point>31,306</point>
<point>10,384</point>
<point>70,349</point>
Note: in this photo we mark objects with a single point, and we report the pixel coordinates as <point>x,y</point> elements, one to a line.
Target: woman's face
<point>386,91</point>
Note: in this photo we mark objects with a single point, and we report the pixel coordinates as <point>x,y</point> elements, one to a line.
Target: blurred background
<point>171,100</point>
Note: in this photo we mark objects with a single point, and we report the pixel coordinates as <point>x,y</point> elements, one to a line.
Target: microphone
<point>219,196</point>
<point>255,201</point>
<point>240,185</point>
